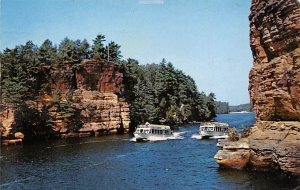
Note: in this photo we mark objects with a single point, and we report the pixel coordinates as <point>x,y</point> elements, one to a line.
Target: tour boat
<point>144,132</point>
<point>214,130</point>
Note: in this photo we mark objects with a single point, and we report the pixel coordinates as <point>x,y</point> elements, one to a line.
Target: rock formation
<point>275,42</point>
<point>88,97</point>
<point>274,141</point>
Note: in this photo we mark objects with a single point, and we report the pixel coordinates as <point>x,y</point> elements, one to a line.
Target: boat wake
<point>196,136</point>
<point>175,136</point>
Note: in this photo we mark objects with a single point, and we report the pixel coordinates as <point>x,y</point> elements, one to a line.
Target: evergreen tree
<point>68,51</point>
<point>47,53</point>
<point>114,51</point>
<point>98,48</point>
<point>84,49</point>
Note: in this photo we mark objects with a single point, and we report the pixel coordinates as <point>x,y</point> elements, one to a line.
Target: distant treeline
<point>224,108</point>
<point>241,107</point>
<point>155,92</point>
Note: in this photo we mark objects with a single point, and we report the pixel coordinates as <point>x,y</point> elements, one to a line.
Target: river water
<point>115,162</point>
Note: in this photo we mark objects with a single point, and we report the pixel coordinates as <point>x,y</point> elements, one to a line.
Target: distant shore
<point>239,112</point>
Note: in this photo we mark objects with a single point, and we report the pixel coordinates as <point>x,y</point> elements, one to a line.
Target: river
<point>115,162</point>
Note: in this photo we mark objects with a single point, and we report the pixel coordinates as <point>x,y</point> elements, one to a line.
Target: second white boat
<point>213,130</point>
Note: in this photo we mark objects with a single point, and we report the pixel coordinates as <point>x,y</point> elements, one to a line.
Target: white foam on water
<point>219,137</point>
<point>196,136</point>
<point>133,139</point>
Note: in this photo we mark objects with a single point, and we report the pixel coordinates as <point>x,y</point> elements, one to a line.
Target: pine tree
<point>98,48</point>
<point>68,51</point>
<point>114,51</point>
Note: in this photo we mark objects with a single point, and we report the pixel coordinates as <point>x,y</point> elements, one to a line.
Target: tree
<point>211,105</point>
<point>68,51</point>
<point>84,49</point>
<point>114,51</point>
<point>34,124</point>
<point>47,53</point>
<point>98,49</point>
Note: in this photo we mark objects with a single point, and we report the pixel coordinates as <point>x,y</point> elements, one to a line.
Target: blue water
<point>114,162</point>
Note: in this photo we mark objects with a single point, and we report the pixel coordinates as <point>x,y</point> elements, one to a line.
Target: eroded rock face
<point>275,145</point>
<point>274,141</point>
<point>92,93</point>
<point>270,145</point>
<point>234,154</point>
<point>102,113</point>
<point>94,89</point>
<point>275,42</point>
<point>99,76</point>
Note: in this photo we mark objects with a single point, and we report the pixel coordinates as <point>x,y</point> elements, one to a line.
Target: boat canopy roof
<point>153,126</point>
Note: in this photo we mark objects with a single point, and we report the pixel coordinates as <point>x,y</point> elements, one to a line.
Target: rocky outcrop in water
<point>274,141</point>
<point>81,101</point>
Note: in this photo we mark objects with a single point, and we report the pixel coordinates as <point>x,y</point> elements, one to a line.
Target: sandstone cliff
<point>88,97</point>
<point>274,141</point>
<point>275,42</point>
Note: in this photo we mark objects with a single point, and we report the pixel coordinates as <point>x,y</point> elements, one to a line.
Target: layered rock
<point>102,113</point>
<point>274,141</point>
<point>234,154</point>
<point>275,145</point>
<point>270,145</point>
<point>87,96</point>
<point>275,42</point>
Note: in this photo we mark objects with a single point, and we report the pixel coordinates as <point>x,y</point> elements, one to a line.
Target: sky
<point>206,39</point>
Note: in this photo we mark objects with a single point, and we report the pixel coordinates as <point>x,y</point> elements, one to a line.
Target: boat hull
<point>146,137</point>
<point>213,135</point>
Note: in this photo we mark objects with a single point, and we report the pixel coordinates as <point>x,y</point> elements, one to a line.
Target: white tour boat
<point>144,132</point>
<point>215,130</point>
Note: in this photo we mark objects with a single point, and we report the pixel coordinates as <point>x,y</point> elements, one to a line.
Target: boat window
<point>141,130</point>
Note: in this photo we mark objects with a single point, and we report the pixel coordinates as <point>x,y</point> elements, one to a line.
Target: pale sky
<point>207,39</point>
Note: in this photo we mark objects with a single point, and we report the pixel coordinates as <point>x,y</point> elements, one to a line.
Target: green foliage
<point>159,91</point>
<point>222,107</point>
<point>20,70</point>
<point>68,51</point>
<point>70,116</point>
<point>65,112</point>
<point>114,52</point>
<point>14,90</point>
<point>98,48</point>
<point>47,53</point>
<point>34,124</point>
<point>241,107</point>
<point>154,91</point>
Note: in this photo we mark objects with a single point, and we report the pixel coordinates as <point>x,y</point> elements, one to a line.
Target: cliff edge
<point>274,87</point>
<point>82,101</point>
